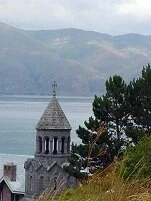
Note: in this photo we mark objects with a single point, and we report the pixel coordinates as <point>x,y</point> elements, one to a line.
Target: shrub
<point>137,161</point>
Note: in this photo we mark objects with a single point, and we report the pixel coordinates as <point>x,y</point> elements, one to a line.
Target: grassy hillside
<point>80,61</point>
<point>106,186</point>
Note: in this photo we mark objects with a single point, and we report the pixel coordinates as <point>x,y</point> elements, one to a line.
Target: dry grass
<point>104,186</point>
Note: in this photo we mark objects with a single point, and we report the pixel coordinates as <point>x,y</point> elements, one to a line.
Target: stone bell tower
<point>53,134</point>
<point>45,170</point>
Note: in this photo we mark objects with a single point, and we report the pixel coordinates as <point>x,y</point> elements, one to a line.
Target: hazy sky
<point>109,16</point>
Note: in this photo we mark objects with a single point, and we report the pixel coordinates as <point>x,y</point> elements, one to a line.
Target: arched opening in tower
<point>55,145</point>
<point>62,144</point>
<point>46,145</point>
<point>39,144</point>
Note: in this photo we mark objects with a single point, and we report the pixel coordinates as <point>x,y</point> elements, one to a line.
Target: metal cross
<point>54,88</point>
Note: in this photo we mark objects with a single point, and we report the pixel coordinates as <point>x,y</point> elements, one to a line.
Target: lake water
<point>19,115</point>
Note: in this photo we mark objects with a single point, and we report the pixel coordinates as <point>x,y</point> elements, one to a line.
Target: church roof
<point>36,164</point>
<point>53,117</point>
<point>17,186</point>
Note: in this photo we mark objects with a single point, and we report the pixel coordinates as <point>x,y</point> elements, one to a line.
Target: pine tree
<point>124,112</point>
<point>110,111</point>
<point>113,108</point>
<point>139,95</point>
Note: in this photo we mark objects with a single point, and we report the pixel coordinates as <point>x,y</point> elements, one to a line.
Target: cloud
<point>137,8</point>
<point>111,16</point>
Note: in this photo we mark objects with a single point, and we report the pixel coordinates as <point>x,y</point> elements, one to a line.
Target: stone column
<point>68,146</point>
<point>51,146</point>
<point>65,146</point>
<point>43,145</point>
<point>59,145</point>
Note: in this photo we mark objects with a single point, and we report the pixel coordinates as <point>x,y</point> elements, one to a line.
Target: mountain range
<point>79,61</point>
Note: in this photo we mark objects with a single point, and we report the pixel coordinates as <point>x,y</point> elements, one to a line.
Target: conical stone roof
<point>53,117</point>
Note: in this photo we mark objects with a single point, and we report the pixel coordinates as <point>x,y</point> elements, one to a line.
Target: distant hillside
<point>80,61</point>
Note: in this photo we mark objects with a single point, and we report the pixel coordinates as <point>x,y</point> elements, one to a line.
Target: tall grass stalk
<point>105,186</point>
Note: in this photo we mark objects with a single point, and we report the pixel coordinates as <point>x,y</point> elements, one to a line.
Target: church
<point>29,177</point>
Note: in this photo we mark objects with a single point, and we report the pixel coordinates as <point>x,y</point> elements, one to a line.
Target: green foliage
<point>137,161</point>
<point>76,163</point>
<point>139,97</point>
<point>135,133</point>
<point>126,112</point>
<point>113,109</point>
<point>118,109</point>
<point>110,110</point>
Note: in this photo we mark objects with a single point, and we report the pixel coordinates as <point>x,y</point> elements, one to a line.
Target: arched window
<point>39,144</point>
<point>46,145</point>
<point>30,183</point>
<point>55,145</point>
<point>55,183</point>
<point>68,145</point>
<point>62,144</point>
<point>41,184</point>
